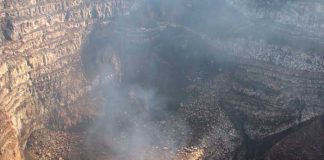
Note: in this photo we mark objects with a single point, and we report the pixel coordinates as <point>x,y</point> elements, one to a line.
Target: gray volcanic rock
<point>304,143</point>
<point>212,127</point>
<point>246,76</point>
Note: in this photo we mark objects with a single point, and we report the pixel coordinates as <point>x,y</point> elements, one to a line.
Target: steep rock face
<point>247,110</point>
<point>40,71</point>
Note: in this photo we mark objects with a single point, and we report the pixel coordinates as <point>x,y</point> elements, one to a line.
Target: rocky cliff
<point>40,70</point>
<point>249,85</point>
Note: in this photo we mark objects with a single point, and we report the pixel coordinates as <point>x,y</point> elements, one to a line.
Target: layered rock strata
<point>41,76</point>
<point>269,93</point>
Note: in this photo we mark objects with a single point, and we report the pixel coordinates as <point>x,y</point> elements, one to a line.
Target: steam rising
<point>143,62</point>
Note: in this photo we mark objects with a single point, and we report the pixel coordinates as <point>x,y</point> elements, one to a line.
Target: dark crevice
<point>238,122</point>
<point>94,13</point>
<point>7,28</point>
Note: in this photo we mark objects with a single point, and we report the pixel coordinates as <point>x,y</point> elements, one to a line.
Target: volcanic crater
<point>161,80</point>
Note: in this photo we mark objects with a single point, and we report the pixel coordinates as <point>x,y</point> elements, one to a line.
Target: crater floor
<point>64,145</point>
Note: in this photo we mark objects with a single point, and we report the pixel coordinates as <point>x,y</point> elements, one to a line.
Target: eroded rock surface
<point>40,71</point>
<point>247,86</point>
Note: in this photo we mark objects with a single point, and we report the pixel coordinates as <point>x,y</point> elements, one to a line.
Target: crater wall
<point>40,70</point>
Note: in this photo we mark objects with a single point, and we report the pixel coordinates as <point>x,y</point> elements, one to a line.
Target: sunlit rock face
<point>41,80</point>
<point>245,76</point>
